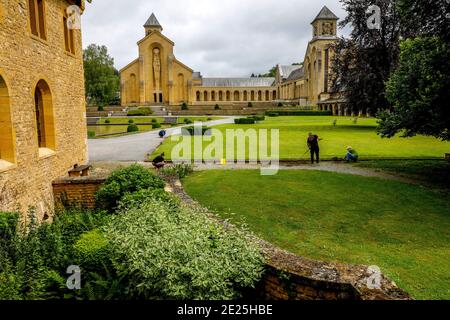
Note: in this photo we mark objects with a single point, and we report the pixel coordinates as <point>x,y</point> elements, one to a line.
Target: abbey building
<point>158,77</point>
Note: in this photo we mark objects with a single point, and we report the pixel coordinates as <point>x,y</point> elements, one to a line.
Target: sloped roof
<point>285,71</point>
<point>152,22</point>
<point>296,74</point>
<point>326,14</point>
<point>238,82</point>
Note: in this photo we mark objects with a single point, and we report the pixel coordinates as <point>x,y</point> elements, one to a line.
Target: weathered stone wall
<point>76,192</point>
<point>24,60</point>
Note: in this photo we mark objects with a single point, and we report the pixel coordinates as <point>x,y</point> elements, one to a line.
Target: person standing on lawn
<point>313,145</point>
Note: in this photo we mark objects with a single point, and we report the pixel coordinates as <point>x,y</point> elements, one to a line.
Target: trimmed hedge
<point>191,131</point>
<point>132,128</point>
<point>141,112</point>
<point>298,113</point>
<point>92,251</point>
<point>245,121</point>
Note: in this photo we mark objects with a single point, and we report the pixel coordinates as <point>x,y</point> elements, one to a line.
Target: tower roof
<point>326,14</point>
<point>152,22</point>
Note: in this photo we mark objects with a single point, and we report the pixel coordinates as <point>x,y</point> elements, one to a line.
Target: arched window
<point>259,96</point>
<point>213,96</point>
<point>252,96</point>
<point>228,96</point>
<point>267,95</point>
<point>245,95</point>
<point>198,95</point>
<point>132,89</point>
<point>7,143</point>
<point>44,116</point>
<point>220,96</point>
<point>237,96</point>
<point>205,96</point>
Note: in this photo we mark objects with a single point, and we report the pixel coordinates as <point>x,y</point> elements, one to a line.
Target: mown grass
<point>361,136</point>
<point>404,229</point>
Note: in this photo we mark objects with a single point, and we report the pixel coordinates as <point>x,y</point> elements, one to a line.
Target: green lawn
<point>402,228</point>
<point>361,136</point>
<point>432,172</point>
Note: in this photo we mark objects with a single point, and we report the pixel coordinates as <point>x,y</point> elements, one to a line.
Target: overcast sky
<point>220,38</point>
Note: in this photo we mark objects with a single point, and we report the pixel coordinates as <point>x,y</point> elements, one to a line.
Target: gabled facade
<point>42,102</point>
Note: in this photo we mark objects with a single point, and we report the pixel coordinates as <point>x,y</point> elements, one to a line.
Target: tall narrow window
<point>37,18</point>
<point>7,150</point>
<point>45,130</point>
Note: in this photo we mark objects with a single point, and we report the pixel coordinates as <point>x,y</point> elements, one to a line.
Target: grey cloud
<point>216,37</point>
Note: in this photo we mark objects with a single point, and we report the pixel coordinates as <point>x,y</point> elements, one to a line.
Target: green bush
<point>250,105</point>
<point>137,198</point>
<point>184,106</point>
<point>91,134</point>
<point>181,254</point>
<point>92,251</point>
<point>179,171</point>
<point>140,112</point>
<point>259,118</point>
<point>191,131</point>
<point>216,107</point>
<point>9,223</point>
<point>132,128</point>
<point>154,120</point>
<point>300,113</point>
<point>156,125</point>
<point>188,121</point>
<point>101,108</point>
<point>124,181</point>
<point>107,121</point>
<point>272,114</point>
<point>131,121</point>
<point>245,121</point>
<point>280,104</point>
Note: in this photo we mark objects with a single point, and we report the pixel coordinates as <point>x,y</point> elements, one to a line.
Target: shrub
<point>216,107</point>
<point>101,108</point>
<point>107,121</point>
<point>184,106</point>
<point>300,113</point>
<point>259,118</point>
<point>156,125</point>
<point>209,119</point>
<point>9,223</point>
<point>140,112</point>
<point>272,114</point>
<point>245,121</point>
<point>131,121</point>
<point>92,251</point>
<point>191,131</point>
<point>124,181</point>
<point>132,128</point>
<point>91,134</point>
<point>188,121</point>
<point>181,254</point>
<point>137,198</point>
<point>179,171</point>
<point>250,105</point>
<point>280,104</point>
<point>154,120</point>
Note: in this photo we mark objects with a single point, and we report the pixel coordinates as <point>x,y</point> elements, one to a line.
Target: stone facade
<point>157,77</point>
<point>42,102</point>
<point>76,192</point>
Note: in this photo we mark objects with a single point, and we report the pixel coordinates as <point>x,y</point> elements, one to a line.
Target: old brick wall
<point>24,60</point>
<point>76,192</point>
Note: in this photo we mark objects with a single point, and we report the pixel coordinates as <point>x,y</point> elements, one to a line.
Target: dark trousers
<point>315,152</point>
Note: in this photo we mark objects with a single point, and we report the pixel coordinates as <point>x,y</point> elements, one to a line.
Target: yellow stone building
<point>157,77</point>
<point>42,102</point>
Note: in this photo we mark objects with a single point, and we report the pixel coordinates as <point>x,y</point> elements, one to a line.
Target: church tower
<point>325,24</point>
<point>152,24</point>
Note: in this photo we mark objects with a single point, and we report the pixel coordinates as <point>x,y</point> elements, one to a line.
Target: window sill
<point>45,153</point>
<point>5,166</point>
<point>43,41</point>
<point>70,54</point>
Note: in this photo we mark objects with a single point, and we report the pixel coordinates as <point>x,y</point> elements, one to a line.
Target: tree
<point>271,74</point>
<point>419,87</point>
<point>101,78</point>
<point>363,63</point>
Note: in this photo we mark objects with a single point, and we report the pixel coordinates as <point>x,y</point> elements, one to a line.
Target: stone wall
<point>76,192</point>
<point>25,60</point>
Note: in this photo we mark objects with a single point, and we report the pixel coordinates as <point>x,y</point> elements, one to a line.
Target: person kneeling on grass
<point>352,155</point>
<point>159,161</point>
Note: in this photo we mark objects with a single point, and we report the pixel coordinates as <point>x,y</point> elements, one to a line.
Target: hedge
<point>298,113</point>
<point>140,112</point>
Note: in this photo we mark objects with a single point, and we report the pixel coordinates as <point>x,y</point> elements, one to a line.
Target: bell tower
<point>152,25</point>
<point>325,24</point>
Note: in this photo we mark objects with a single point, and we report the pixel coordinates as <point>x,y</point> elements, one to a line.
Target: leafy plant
<point>125,181</point>
<point>156,125</point>
<point>181,253</point>
<point>132,128</point>
<point>216,107</point>
<point>184,106</point>
<point>179,171</point>
<point>107,121</point>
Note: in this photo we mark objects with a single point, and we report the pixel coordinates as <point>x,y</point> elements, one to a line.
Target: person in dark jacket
<point>159,161</point>
<point>313,145</point>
